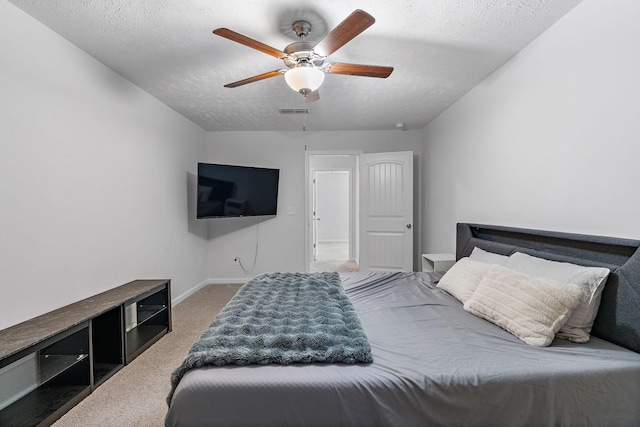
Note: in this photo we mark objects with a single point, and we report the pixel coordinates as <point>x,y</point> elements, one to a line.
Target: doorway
<point>331,205</point>
<point>332,211</point>
<point>381,231</point>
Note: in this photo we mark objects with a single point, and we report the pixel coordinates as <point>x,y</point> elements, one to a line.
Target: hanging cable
<point>255,255</point>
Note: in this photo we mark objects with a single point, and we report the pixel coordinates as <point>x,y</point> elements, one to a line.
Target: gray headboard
<point>618,319</point>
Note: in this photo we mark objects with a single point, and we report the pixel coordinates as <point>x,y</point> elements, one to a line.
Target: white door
<point>386,211</point>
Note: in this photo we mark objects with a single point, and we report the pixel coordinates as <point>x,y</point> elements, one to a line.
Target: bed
<point>435,363</point>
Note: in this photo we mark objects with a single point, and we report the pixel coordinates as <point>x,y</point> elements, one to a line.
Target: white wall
<point>549,141</point>
<point>332,197</point>
<point>281,240</point>
<point>278,238</point>
<point>93,177</point>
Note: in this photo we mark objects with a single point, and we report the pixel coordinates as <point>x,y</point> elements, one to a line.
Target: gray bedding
<point>433,364</point>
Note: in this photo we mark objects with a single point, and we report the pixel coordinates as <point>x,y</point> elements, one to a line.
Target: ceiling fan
<point>305,61</point>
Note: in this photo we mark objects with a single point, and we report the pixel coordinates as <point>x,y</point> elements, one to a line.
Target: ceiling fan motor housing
<point>302,52</point>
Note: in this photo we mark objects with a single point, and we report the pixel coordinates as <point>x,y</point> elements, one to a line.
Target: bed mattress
<point>433,364</point>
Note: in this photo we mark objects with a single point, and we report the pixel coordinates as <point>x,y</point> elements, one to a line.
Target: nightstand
<point>437,262</point>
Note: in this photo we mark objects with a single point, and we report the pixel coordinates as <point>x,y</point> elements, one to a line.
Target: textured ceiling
<point>440,49</point>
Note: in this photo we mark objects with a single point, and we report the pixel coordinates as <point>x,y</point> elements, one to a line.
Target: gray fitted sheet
<point>434,364</point>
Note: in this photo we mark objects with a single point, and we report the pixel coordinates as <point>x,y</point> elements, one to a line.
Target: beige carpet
<point>136,395</point>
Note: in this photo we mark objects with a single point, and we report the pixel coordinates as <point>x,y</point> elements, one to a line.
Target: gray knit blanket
<point>282,318</point>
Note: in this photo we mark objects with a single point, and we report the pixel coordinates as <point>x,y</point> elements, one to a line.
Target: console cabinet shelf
<point>151,320</point>
<point>50,363</point>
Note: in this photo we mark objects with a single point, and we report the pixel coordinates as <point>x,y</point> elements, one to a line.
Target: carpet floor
<point>136,395</point>
<point>333,256</point>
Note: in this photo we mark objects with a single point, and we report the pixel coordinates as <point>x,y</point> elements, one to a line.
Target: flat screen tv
<point>236,191</point>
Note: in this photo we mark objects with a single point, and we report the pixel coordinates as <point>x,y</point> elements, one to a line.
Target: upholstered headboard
<point>618,319</point>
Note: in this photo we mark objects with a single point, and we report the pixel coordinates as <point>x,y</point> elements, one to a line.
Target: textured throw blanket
<point>282,318</point>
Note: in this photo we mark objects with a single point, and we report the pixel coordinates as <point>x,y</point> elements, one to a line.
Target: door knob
<point>408,225</point>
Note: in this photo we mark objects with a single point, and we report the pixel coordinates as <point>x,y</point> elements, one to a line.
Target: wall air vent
<point>294,110</point>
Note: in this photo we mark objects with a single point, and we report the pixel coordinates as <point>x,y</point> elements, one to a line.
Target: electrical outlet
<point>236,261</point>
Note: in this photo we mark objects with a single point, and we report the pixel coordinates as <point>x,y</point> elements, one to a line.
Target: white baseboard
<point>227,281</point>
<point>185,295</point>
<point>178,299</point>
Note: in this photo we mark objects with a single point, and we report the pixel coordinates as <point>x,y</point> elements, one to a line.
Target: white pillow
<point>531,308</point>
<point>590,279</point>
<point>463,277</point>
<point>488,257</point>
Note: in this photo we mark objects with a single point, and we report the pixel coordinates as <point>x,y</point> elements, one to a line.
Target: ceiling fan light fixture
<point>304,78</point>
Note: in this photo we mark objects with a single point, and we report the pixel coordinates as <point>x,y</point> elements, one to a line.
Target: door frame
<point>354,204</point>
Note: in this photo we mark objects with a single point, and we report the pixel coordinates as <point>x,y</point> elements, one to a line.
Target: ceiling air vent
<point>294,110</point>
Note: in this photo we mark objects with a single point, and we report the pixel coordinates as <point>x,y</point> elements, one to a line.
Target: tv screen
<point>235,191</point>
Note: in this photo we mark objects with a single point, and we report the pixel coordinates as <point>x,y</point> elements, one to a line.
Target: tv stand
<point>50,363</point>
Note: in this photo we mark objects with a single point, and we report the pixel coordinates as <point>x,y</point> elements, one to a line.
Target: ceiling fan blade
<point>254,44</point>
<point>353,25</point>
<point>359,70</point>
<point>312,96</point>
<point>255,78</point>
